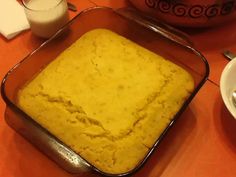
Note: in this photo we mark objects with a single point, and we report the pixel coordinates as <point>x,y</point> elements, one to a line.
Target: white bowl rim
<point>228,103</point>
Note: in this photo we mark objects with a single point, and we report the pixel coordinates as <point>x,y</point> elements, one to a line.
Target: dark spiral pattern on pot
<point>151,3</point>
<point>227,8</point>
<point>179,10</point>
<point>212,11</point>
<point>164,6</point>
<point>196,11</point>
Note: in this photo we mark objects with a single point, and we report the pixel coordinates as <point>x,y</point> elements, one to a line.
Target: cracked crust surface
<point>107,98</point>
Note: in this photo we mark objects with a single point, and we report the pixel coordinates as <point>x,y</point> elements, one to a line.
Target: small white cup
<point>46,16</point>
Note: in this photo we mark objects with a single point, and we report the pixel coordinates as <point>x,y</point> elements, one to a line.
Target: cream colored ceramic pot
<point>191,13</point>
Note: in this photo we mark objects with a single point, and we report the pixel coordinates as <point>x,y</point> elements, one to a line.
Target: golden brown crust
<point>107,98</point>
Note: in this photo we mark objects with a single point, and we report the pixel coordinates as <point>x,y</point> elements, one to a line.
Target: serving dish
<point>125,22</point>
<point>189,13</point>
<point>228,85</point>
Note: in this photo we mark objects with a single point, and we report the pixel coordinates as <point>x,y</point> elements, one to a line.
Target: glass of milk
<point>46,16</point>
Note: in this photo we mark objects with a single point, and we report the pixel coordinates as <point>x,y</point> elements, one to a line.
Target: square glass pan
<point>125,22</point>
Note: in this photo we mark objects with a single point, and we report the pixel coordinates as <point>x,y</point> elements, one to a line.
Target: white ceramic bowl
<point>228,85</point>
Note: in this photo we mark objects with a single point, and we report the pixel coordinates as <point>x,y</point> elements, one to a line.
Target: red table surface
<point>202,143</point>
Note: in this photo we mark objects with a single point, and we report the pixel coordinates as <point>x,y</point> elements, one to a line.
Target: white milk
<point>46,16</point>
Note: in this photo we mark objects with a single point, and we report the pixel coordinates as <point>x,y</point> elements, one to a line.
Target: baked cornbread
<point>107,98</point>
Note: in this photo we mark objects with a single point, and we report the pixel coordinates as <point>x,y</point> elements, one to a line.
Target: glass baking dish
<point>161,39</point>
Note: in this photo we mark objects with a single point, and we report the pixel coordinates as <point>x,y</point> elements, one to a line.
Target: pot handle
<point>155,25</point>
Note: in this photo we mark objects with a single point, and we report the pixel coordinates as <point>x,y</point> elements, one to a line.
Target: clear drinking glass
<point>46,16</point>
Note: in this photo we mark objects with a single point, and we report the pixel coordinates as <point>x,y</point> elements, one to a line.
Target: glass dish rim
<point>10,104</point>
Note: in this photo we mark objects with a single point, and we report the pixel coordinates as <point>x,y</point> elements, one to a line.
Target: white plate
<point>228,85</point>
